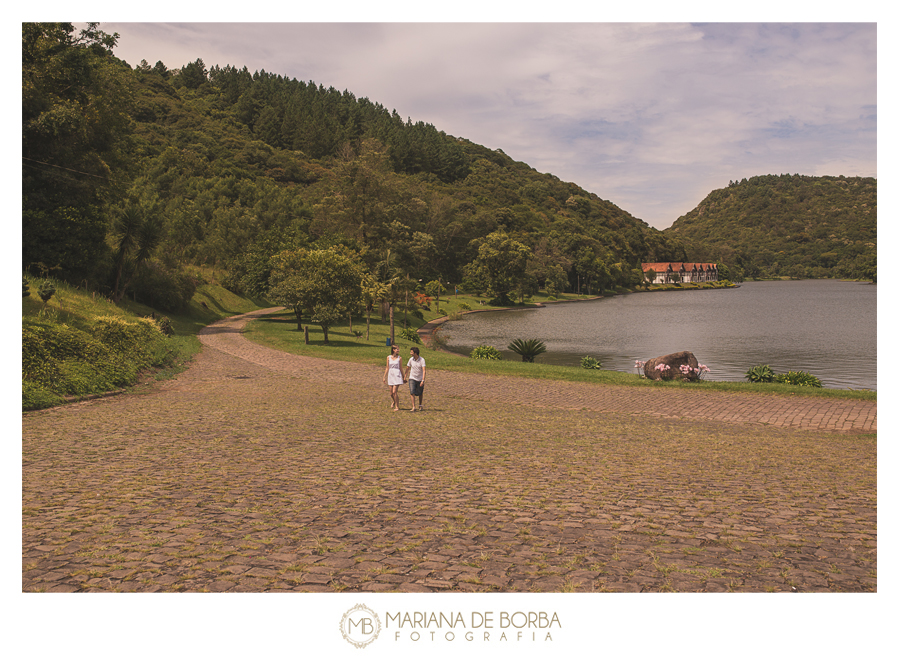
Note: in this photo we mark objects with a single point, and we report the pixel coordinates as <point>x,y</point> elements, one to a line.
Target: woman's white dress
<point>395,374</point>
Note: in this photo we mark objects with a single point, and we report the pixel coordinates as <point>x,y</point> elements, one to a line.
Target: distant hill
<point>787,225</point>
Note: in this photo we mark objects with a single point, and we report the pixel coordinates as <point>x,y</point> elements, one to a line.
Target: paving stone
<point>246,481</point>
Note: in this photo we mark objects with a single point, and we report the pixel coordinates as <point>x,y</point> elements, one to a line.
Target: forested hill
<point>131,174</point>
<point>787,225</point>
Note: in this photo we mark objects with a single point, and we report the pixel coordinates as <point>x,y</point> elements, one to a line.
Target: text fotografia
<point>481,626</point>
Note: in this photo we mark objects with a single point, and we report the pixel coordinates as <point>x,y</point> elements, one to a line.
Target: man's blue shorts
<point>416,388</point>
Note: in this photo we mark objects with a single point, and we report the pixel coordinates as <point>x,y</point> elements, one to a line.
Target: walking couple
<point>394,376</point>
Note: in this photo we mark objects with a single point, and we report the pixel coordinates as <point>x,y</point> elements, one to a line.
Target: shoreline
<point>429,329</point>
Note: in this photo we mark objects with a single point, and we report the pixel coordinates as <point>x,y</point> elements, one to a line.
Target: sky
<point>650,116</point>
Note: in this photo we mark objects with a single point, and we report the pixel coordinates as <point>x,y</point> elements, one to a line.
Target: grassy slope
<point>79,309</point>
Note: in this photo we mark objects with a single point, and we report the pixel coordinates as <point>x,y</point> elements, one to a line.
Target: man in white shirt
<point>415,375</point>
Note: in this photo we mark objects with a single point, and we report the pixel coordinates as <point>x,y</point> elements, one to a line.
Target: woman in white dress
<point>393,376</point>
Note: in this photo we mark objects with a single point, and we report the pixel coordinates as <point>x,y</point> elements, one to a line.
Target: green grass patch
<point>279,331</point>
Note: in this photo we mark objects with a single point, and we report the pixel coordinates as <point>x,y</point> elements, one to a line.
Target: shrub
<point>486,352</point>
<point>410,334</point>
<point>46,290</point>
<point>799,379</point>
<point>527,349</point>
<point>162,287</point>
<point>137,339</point>
<point>590,363</point>
<point>35,396</point>
<point>25,291</point>
<point>165,326</point>
<point>464,307</point>
<point>58,360</point>
<point>760,374</point>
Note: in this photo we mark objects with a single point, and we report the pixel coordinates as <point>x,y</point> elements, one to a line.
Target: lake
<point>824,327</point>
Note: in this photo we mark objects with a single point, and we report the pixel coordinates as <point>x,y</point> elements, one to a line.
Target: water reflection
<point>827,328</point>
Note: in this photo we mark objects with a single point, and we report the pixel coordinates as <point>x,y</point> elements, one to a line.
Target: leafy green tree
<point>434,289</point>
<point>76,99</point>
<point>326,283</point>
<point>500,264</point>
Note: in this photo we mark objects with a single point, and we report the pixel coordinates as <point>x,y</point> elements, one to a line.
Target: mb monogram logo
<point>360,626</point>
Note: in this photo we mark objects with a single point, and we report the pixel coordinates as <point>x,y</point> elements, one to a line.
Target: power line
<point>74,171</point>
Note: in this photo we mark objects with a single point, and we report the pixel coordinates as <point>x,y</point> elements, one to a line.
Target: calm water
<point>827,328</point>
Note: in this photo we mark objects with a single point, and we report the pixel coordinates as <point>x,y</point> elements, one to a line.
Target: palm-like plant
<point>527,349</point>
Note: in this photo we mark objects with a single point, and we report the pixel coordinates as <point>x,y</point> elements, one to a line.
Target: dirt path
<point>257,470</point>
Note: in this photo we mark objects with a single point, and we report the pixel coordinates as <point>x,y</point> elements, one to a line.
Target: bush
<point>410,334</point>
<point>165,326</point>
<point>799,379</point>
<point>35,396</point>
<point>765,374</point>
<point>590,363</point>
<point>486,352</point>
<point>46,290</point>
<point>164,288</point>
<point>464,307</point>
<point>527,349</point>
<point>760,374</point>
<point>58,360</point>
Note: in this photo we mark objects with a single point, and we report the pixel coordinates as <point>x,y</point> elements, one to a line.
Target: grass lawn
<point>279,331</point>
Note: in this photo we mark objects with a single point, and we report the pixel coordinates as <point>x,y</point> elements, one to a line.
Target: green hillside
<point>128,172</point>
<point>786,226</point>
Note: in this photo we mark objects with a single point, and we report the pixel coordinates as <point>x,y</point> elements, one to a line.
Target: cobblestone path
<point>256,470</point>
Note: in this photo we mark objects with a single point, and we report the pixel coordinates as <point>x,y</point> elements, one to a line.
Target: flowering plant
<point>666,371</point>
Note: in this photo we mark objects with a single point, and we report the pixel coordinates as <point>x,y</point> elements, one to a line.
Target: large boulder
<point>680,366</point>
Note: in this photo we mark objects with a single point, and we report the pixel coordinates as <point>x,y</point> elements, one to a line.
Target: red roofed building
<point>681,272</point>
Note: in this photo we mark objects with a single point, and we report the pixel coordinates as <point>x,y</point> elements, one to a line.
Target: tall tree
<point>75,124</point>
<point>500,264</point>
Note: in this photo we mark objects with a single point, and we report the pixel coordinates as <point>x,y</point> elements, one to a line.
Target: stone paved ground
<point>261,471</point>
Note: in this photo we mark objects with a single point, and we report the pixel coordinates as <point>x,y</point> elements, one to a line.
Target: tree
<point>390,279</point>
<point>434,289</point>
<point>76,99</point>
<point>327,283</point>
<point>372,291</point>
<point>137,233</point>
<point>193,75</point>
<point>500,264</point>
